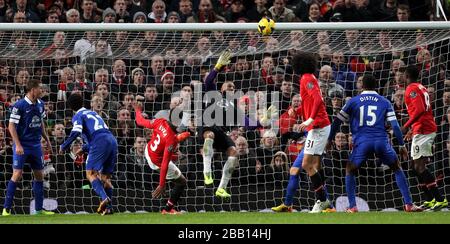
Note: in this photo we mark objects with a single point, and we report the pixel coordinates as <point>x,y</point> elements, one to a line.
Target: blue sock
<point>291,189</point>
<point>109,193</point>
<point>98,188</point>
<point>350,187</point>
<point>402,184</point>
<point>10,194</point>
<point>38,190</point>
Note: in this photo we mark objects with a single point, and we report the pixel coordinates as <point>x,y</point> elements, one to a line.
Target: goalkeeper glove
<point>224,60</point>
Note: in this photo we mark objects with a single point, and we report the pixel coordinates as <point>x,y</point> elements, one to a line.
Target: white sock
<point>208,153</point>
<point>227,172</point>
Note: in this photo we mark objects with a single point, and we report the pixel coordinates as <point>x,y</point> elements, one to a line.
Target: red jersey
<point>313,105</point>
<point>419,109</point>
<point>162,145</point>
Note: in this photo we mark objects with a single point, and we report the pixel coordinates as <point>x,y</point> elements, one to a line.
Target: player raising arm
<point>367,114</point>
<point>423,132</point>
<point>26,126</point>
<point>101,147</point>
<point>158,153</point>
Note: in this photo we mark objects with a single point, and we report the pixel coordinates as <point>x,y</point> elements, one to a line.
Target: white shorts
<point>316,141</point>
<point>422,145</point>
<point>173,172</point>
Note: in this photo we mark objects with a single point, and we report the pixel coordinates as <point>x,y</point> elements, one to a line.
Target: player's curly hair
<point>304,63</point>
<point>75,101</point>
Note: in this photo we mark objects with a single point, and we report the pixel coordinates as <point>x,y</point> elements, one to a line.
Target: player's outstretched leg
<point>292,187</point>
<point>180,184</point>
<point>427,179</point>
<point>227,172</point>
<point>208,153</point>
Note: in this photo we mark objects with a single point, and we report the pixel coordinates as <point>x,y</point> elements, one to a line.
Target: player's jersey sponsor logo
<point>310,85</point>
<point>35,122</point>
<point>413,94</point>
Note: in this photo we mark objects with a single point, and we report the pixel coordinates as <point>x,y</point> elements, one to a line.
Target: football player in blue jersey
<point>101,146</point>
<point>367,114</point>
<point>27,127</point>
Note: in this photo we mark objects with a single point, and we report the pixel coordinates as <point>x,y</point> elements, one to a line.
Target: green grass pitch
<point>237,218</point>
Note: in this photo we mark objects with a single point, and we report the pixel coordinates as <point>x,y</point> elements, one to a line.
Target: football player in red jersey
<point>423,132</point>
<point>158,153</point>
<point>316,122</point>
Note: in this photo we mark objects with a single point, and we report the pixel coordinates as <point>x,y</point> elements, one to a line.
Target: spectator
<point>173,17</point>
<point>156,69</point>
<point>386,11</point>
<point>158,14</point>
<point>22,78</point>
<point>280,13</point>
<point>205,14</point>
<point>136,171</point>
<point>111,104</point>
<point>122,14</point>
<point>59,40</point>
<point>403,12</point>
<point>185,10</point>
<point>89,15</point>
<point>268,146</point>
<point>139,81</point>
<point>73,16</point>
<point>248,163</point>
<point>257,11</point>
<point>139,17</point>
<point>342,73</point>
<point>20,17</point>
<point>109,16</point>
<point>277,172</point>
<point>97,105</point>
<point>84,47</point>
<point>23,7</point>
<point>152,101</point>
<point>119,79</point>
<point>236,11</point>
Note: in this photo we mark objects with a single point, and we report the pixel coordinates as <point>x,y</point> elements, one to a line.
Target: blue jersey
<point>28,117</point>
<point>367,114</point>
<point>89,123</point>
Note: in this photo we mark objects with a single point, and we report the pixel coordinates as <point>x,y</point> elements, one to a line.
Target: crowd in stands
<point>117,69</point>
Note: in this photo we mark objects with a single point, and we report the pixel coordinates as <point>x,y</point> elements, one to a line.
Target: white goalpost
<point>165,66</point>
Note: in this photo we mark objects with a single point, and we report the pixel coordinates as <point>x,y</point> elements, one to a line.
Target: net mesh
<point>114,69</point>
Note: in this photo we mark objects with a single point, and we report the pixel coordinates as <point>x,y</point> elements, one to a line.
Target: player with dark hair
<point>423,132</point>
<point>158,153</point>
<point>27,127</point>
<point>316,122</point>
<point>101,147</point>
<point>367,114</point>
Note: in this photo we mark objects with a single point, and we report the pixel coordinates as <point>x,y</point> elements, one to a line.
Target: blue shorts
<point>31,155</point>
<point>102,154</point>
<point>381,148</point>
<point>298,161</point>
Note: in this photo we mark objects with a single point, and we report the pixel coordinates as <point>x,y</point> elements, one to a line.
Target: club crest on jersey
<point>413,94</point>
<point>310,85</point>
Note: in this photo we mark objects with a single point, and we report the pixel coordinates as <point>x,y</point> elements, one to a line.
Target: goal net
<point>113,66</point>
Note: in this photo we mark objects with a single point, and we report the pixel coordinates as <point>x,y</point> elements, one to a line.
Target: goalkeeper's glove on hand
<point>224,60</point>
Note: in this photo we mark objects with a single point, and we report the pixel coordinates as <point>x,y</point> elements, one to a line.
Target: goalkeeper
<point>214,136</point>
